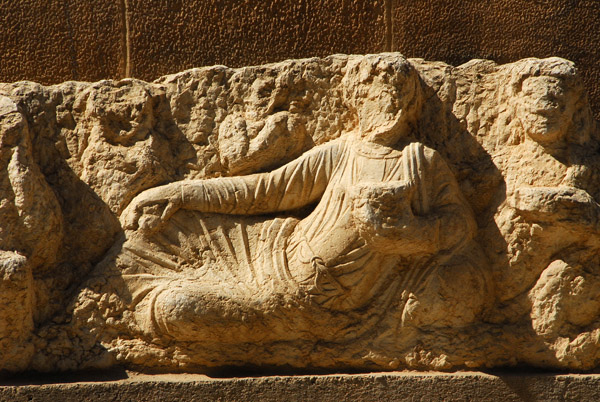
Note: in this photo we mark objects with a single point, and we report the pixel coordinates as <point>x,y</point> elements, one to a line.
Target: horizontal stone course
<point>398,386</point>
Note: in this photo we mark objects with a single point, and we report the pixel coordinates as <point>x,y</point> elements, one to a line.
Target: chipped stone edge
<point>396,386</point>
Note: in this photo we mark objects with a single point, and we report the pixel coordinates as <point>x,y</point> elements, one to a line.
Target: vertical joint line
<point>389,28</point>
<point>126,39</point>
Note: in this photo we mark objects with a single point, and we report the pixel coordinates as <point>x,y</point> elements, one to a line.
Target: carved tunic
<point>322,258</point>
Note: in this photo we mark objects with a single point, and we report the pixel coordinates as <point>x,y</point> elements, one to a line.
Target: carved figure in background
<point>549,219</point>
<point>30,235</point>
<point>550,112</point>
<point>562,217</point>
<point>383,203</point>
<point>549,130</point>
<point>257,136</point>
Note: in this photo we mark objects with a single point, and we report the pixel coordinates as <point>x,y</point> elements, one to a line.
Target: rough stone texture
<point>167,37</point>
<point>467,386</point>
<point>455,213</point>
<point>55,41</point>
<point>503,31</point>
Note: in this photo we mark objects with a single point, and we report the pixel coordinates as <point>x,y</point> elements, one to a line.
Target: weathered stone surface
<point>430,386</point>
<point>55,41</point>
<point>393,214</point>
<point>180,35</point>
<point>503,31</point>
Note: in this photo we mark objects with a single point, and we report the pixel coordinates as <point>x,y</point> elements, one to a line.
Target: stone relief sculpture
<point>379,208</point>
<point>553,127</point>
<point>363,212</point>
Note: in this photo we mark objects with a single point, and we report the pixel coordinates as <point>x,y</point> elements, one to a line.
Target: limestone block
<point>340,213</point>
<point>504,31</point>
<point>54,41</point>
<point>401,386</point>
<point>167,37</point>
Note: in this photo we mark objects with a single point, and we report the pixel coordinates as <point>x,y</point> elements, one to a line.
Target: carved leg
<point>195,312</point>
<point>453,295</point>
<point>188,311</point>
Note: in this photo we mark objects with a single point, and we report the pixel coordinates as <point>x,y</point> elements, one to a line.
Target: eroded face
<point>259,101</point>
<point>383,110</point>
<point>545,109</point>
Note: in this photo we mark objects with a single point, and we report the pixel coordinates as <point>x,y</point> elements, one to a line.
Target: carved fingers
<point>151,208</point>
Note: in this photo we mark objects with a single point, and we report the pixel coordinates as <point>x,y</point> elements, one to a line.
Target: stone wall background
<point>50,41</point>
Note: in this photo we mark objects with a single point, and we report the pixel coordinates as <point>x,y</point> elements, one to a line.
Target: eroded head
<point>385,93</point>
<point>545,108</point>
<point>546,97</point>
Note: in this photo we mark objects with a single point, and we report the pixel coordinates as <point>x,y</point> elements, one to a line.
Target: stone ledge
<point>399,386</point>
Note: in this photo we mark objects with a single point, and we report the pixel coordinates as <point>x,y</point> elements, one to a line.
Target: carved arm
<point>292,186</point>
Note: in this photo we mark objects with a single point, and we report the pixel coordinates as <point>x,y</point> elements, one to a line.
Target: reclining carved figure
<point>384,203</point>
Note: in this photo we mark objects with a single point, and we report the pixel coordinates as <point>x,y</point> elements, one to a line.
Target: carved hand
<point>384,216</point>
<point>151,208</point>
<point>384,204</point>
